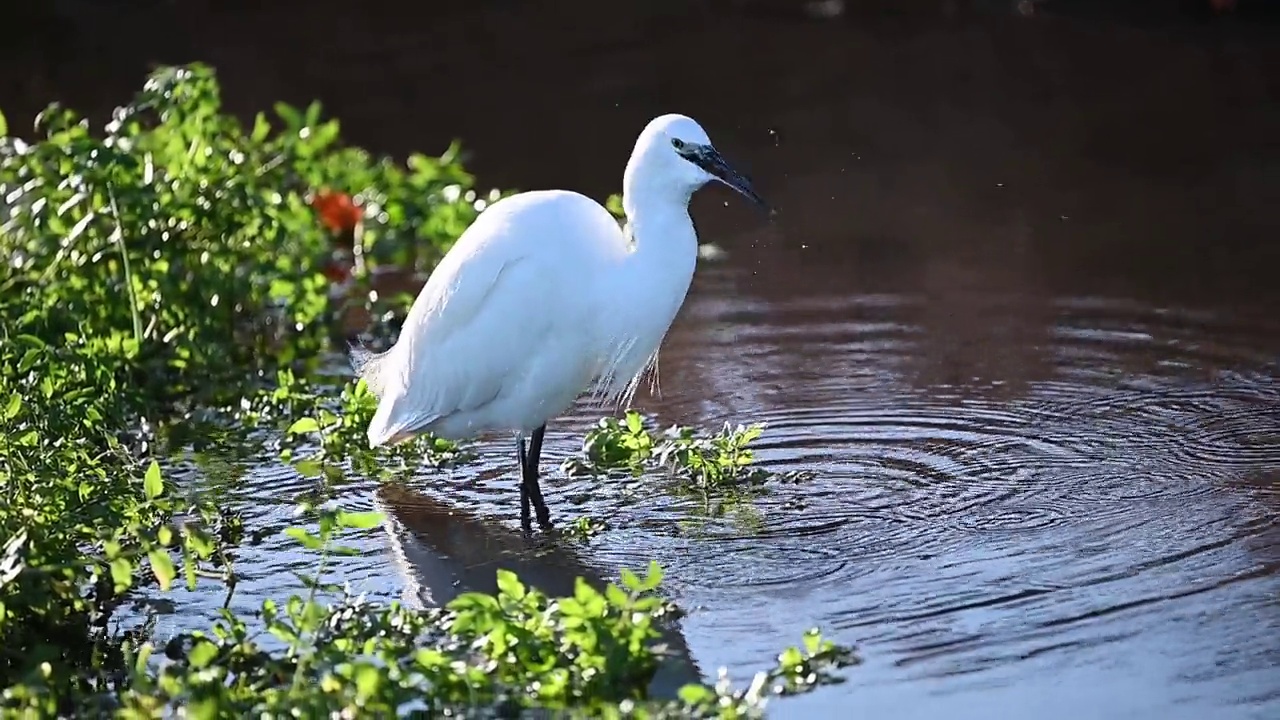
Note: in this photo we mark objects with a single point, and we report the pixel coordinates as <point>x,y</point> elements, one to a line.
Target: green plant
<point>84,520</point>
<point>614,444</point>
<point>595,652</point>
<point>164,291</point>
<point>154,270</point>
<point>709,464</point>
<point>584,528</point>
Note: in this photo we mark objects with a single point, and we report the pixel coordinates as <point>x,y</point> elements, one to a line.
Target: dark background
<point>518,80</point>
<point>1136,140</point>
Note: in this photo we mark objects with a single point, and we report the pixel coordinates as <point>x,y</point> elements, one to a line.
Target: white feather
<point>544,298</point>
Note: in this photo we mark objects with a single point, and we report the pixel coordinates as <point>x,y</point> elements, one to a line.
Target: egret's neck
<point>657,210</point>
<point>656,273</point>
<point>659,225</point>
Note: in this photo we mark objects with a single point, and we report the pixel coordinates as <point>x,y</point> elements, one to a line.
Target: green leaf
<point>189,565</point>
<point>162,567</point>
<point>510,585</point>
<point>368,680</point>
<point>616,596</point>
<point>14,405</point>
<point>202,654</point>
<point>653,578</point>
<point>4,125</point>
<point>693,694</point>
<point>359,520</point>
<point>305,425</point>
<point>261,128</point>
<point>308,468</point>
<point>630,581</point>
<point>309,541</point>
<point>122,572</point>
<point>152,484</point>
<point>290,115</point>
<point>140,662</point>
<point>812,641</point>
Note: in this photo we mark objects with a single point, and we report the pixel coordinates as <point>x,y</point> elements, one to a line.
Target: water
<point>1073,516</point>
<point>1018,312</point>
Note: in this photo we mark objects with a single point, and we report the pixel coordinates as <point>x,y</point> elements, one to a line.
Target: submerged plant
<point>709,464</point>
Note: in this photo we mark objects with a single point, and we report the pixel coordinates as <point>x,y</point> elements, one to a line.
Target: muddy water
<point>1018,312</point>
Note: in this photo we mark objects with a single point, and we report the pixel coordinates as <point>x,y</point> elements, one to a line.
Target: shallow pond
<point>1018,312</point>
<point>1071,513</point>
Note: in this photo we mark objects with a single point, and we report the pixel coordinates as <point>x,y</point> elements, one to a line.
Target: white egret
<point>543,298</point>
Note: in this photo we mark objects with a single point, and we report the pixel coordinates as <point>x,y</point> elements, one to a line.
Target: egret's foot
<point>540,505</point>
<point>525,524</point>
<point>531,494</point>
<point>530,490</point>
<point>540,510</point>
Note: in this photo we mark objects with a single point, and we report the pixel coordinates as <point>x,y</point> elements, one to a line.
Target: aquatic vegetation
<point>592,652</point>
<point>584,528</point>
<point>719,464</point>
<point>166,281</point>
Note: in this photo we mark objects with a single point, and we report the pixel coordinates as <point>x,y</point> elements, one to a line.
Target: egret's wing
<point>460,346</point>
<point>503,304</point>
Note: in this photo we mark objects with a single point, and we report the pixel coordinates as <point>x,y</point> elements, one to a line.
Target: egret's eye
<point>677,143</point>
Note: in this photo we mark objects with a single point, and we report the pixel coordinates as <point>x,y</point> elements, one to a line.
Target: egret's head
<point>674,150</point>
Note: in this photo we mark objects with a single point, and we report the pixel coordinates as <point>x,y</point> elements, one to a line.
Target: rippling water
<point>1096,540</point>
<point>1098,534</point>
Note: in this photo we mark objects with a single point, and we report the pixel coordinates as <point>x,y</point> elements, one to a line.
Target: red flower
<point>337,211</point>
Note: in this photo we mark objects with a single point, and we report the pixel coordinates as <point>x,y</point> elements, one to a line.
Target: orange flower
<point>336,209</point>
<point>337,271</point>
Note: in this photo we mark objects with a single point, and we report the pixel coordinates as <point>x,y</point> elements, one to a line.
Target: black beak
<point>711,161</point>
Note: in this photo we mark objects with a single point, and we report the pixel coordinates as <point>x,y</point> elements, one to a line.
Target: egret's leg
<point>531,487</point>
<point>524,485</point>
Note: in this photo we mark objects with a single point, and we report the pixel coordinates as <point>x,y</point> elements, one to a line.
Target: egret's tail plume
<point>368,365</point>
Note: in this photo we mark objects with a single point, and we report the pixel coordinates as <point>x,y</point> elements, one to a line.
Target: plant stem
<point>128,272</point>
